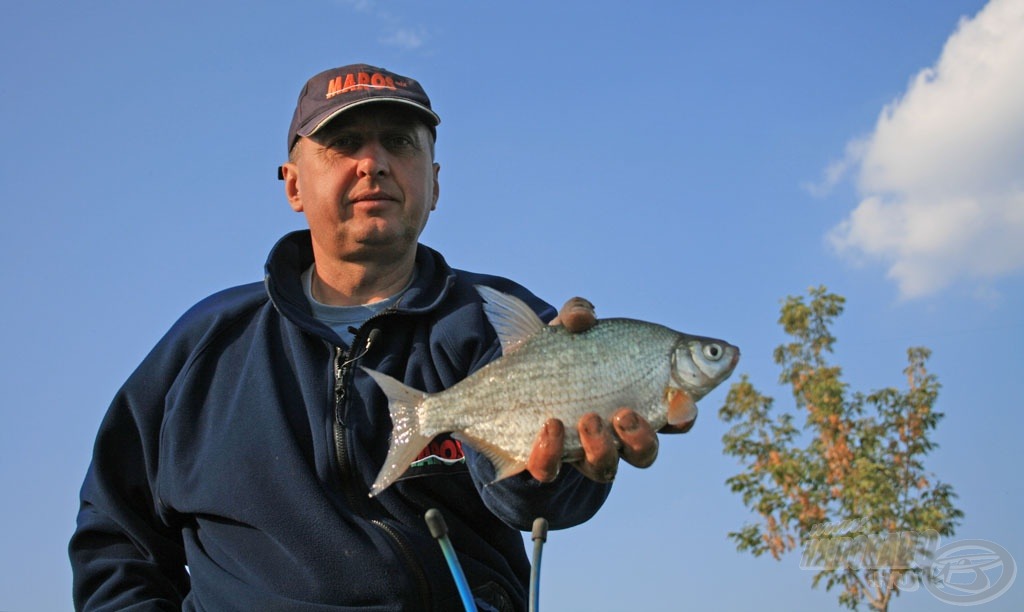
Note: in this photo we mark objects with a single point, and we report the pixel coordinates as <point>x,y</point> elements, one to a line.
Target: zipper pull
<point>341,372</point>
<point>339,384</point>
<point>370,339</point>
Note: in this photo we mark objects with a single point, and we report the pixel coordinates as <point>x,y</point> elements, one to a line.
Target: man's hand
<point>628,435</point>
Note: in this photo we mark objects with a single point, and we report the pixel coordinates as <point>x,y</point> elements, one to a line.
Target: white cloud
<point>942,176</point>
<point>360,6</point>
<point>406,38</point>
<point>399,36</point>
<point>838,170</point>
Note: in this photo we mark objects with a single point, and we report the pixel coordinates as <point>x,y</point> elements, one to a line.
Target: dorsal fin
<point>511,317</point>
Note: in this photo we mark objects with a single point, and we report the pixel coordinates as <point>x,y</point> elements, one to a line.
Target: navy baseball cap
<point>334,91</point>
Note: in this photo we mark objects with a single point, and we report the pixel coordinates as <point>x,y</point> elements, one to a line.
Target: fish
<point>546,371</point>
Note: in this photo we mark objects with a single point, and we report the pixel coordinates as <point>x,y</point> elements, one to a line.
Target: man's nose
<point>373,159</point>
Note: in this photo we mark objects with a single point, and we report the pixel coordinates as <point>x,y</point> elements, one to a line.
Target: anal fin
<point>505,464</point>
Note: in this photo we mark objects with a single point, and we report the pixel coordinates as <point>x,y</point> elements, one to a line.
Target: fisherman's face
<point>366,183</point>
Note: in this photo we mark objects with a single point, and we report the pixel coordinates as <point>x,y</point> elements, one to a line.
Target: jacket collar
<point>293,254</point>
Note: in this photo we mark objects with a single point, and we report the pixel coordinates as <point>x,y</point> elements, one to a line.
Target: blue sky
<point>679,162</point>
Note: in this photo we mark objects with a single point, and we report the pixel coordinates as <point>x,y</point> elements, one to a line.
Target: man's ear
<point>290,176</point>
<point>437,186</point>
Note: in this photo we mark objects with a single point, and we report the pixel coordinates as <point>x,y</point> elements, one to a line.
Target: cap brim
<point>320,121</point>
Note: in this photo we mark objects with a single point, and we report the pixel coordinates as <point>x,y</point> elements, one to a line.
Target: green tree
<point>850,486</point>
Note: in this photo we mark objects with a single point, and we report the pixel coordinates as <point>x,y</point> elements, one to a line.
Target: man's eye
<point>399,141</point>
<point>344,143</point>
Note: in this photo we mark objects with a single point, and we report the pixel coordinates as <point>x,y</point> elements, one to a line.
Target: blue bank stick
<point>439,530</point>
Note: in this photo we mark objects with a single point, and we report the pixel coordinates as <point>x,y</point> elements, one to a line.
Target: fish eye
<point>713,352</point>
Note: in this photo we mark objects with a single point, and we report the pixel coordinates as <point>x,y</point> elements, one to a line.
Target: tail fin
<point>406,438</point>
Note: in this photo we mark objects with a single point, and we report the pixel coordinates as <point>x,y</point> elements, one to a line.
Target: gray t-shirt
<point>344,320</point>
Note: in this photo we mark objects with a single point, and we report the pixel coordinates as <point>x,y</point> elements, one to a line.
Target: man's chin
<point>382,247</point>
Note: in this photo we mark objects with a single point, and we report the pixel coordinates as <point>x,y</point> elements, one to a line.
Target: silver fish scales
<point>549,372</point>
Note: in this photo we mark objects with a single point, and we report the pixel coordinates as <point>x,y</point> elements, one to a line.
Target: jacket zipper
<point>360,503</point>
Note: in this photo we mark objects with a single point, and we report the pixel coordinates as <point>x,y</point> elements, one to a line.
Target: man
<point>231,471</point>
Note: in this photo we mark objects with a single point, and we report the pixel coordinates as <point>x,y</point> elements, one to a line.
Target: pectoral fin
<point>682,410</point>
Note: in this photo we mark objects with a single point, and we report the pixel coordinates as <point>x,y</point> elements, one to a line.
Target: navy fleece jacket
<point>244,445</point>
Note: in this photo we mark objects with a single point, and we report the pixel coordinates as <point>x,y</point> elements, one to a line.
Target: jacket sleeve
<point>568,501</point>
<point>127,550</point>
<point>124,554</point>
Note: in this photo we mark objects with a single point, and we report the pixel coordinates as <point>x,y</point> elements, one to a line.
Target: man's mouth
<point>373,196</point>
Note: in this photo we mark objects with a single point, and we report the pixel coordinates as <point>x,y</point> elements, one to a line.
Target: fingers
<point>639,440</point>
<point>546,454</point>
<point>577,315</point>
<point>600,453</point>
<point>628,435</point>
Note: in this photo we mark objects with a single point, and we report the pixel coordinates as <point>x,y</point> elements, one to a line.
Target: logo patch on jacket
<point>442,450</point>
